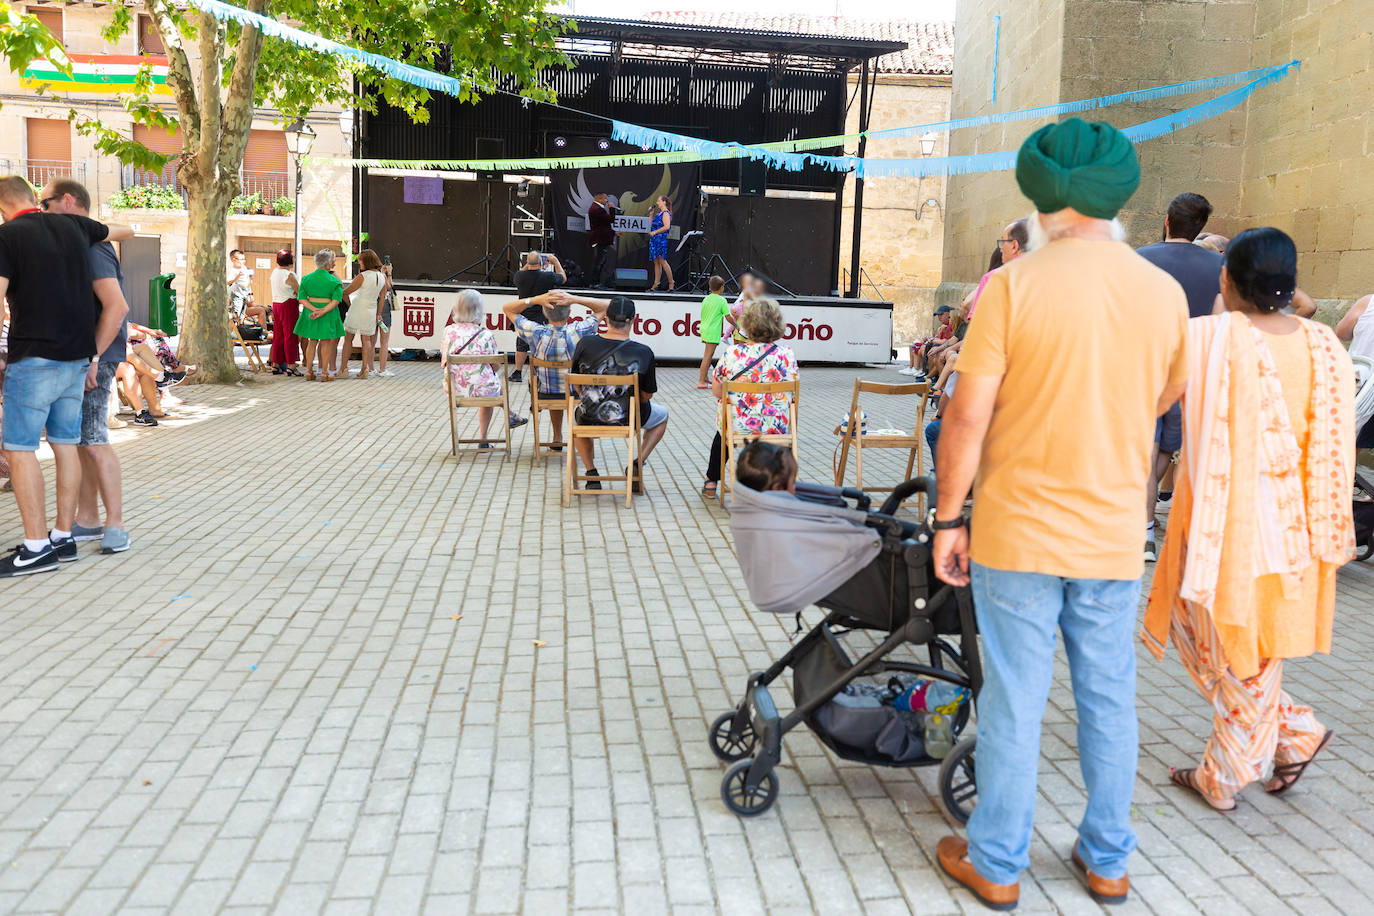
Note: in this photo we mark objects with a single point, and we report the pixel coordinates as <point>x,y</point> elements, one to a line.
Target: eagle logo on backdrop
<point>580,199</point>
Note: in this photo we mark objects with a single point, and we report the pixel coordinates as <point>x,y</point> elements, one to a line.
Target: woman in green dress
<point>320,326</point>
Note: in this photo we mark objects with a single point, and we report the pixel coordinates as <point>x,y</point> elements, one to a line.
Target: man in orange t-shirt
<point>1078,347</point>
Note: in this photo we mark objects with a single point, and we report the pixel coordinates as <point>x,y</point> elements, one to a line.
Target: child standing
<point>712,314</point>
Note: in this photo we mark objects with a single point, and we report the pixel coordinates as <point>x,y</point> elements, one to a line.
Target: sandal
<point>1188,780</point>
<point>1288,774</point>
<point>708,489</point>
<point>292,370</point>
<point>701,387</point>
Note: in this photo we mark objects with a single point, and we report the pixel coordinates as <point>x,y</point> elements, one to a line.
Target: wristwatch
<point>957,522</point>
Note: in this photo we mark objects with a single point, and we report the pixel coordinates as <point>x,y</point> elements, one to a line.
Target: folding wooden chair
<point>498,363</point>
<point>630,432</point>
<point>730,437</point>
<point>852,434</point>
<point>250,348</point>
<point>544,402</point>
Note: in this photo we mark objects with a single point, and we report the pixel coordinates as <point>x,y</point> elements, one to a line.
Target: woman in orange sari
<point>1261,520</point>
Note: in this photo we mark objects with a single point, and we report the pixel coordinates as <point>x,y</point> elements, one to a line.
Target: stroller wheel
<point>1365,550</point>
<point>742,800</point>
<point>729,748</point>
<point>958,785</point>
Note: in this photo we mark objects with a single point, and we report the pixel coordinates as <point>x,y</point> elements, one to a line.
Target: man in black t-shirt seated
<point>55,330</point>
<point>531,280</point>
<point>613,353</point>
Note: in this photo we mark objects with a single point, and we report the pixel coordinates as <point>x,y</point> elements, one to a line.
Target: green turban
<point>1089,167</point>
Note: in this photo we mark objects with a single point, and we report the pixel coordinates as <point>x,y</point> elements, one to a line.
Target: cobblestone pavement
<point>343,671</point>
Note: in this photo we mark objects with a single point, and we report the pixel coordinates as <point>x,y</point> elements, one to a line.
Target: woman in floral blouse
<point>760,359</point>
<point>467,336</point>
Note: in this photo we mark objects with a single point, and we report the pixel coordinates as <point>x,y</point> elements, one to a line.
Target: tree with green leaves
<point>218,73</point>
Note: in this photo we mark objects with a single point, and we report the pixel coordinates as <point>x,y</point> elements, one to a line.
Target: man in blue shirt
<point>100,474</point>
<point>1198,271</point>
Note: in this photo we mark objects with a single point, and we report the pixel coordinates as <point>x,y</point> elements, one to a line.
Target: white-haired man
<point>1054,419</point>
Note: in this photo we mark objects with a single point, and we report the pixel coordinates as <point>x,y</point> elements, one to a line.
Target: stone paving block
<point>385,758</point>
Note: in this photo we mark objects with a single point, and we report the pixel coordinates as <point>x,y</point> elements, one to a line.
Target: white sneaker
<point>386,373</point>
<point>910,370</point>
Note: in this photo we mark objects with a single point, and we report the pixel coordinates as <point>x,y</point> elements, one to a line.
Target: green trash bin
<point>162,304</point>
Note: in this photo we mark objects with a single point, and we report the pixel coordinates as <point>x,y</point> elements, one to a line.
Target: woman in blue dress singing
<point>658,241</point>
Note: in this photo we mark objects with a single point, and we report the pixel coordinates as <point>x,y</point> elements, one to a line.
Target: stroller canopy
<point>794,552</point>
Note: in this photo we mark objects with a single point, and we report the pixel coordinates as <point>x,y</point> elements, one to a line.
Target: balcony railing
<point>270,185</point>
<point>41,171</point>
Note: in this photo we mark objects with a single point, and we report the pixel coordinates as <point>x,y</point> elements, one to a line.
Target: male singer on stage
<point>602,235</point>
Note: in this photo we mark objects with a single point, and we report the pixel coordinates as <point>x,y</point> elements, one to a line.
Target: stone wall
<point>1307,167</point>
<point>1028,74</point>
<point>902,238</point>
<point>1296,156</point>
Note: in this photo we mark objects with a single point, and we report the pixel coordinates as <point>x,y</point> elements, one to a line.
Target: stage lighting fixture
<point>603,144</point>
<point>560,142</point>
<point>523,189</point>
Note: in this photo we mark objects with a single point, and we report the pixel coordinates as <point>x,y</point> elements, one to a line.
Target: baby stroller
<point>1364,481</point>
<point>869,571</point>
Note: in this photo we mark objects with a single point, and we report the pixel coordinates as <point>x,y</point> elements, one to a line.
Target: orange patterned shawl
<point>1240,508</point>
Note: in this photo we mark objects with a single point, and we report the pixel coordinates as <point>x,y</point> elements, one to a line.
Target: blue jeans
<point>42,394</point>
<point>933,440</point>
<point>1018,614</point>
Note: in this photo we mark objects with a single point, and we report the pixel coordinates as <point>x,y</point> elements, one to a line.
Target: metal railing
<point>270,185</point>
<point>41,171</point>
<point>864,280</point>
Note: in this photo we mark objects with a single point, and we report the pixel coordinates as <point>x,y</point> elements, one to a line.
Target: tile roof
<point>930,45</point>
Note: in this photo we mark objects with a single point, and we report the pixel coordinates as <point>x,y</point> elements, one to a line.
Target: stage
<point>820,329</point>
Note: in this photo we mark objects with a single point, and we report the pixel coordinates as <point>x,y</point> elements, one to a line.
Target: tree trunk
<point>205,340</point>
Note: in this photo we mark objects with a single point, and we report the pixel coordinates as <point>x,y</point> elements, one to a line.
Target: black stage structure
<point>719,84</point>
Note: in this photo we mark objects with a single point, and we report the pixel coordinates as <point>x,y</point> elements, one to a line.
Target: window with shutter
<point>149,40</point>
<point>159,141</point>
<point>265,165</point>
<point>49,150</point>
<point>49,17</point>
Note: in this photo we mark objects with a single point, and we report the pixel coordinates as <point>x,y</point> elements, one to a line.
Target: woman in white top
<point>286,352</point>
<point>364,294</point>
<point>1357,327</point>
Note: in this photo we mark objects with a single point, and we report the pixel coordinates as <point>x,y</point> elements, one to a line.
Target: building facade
<point>38,141</point>
<point>1295,156</point>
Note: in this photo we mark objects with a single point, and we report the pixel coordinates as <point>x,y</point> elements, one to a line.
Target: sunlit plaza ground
<point>343,671</point>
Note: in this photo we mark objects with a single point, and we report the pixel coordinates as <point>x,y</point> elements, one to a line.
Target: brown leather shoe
<point>952,853</point>
<point>1103,890</point>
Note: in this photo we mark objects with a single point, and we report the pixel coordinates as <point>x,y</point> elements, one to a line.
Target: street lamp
<point>927,144</point>
<point>299,137</point>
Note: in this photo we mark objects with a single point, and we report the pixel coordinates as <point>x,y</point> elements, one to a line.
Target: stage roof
<point>638,37</point>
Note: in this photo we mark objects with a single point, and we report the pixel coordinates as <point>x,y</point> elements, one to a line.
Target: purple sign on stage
<point>421,190</point>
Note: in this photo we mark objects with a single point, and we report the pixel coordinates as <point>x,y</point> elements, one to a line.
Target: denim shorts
<point>657,414</point>
<point>95,406</point>
<point>1169,430</point>
<point>42,394</point>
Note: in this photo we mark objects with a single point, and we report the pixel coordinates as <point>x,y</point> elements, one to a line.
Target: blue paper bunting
<point>673,145</point>
<point>409,73</point>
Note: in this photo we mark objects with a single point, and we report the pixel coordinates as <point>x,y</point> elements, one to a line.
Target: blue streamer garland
<point>1137,133</point>
<point>666,141</point>
<point>409,73</point>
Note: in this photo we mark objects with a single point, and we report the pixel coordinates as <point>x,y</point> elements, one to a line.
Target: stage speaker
<point>631,278</point>
<point>753,178</point>
<point>490,148</point>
